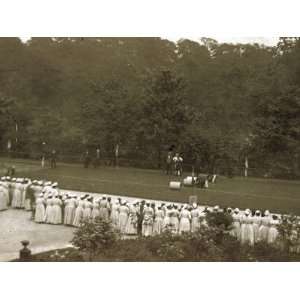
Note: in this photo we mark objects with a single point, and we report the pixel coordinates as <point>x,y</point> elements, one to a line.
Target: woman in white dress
<point>264,227</point>
<point>114,215</point>
<point>195,221</point>
<point>174,220</point>
<point>25,201</point>
<point>167,218</point>
<point>49,210</point>
<point>79,212</point>
<point>95,209</point>
<point>123,217</point>
<point>185,220</point>
<point>87,208</point>
<point>247,236</point>
<point>5,185</point>
<point>104,211</point>
<point>148,220</point>
<point>273,231</point>
<point>40,210</point>
<point>57,211</point>
<point>236,224</point>
<point>131,227</point>
<point>17,196</point>
<point>70,206</point>
<point>3,199</point>
<point>256,220</point>
<point>158,221</point>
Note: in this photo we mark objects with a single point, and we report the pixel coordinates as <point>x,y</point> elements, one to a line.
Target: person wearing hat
<point>256,220</point>
<point>87,208</point>
<point>114,215</point>
<point>40,211</point>
<point>264,227</point>
<point>247,235</point>
<point>148,220</point>
<point>174,219</point>
<point>178,161</point>
<point>167,218</point>
<point>195,213</point>
<point>123,216</point>
<point>158,220</point>
<point>49,209</point>
<point>104,208</point>
<point>185,220</point>
<point>273,231</point>
<point>95,209</point>
<point>79,212</point>
<point>236,224</point>
<point>3,198</point>
<point>17,196</point>
<point>5,185</point>
<point>131,227</point>
<point>69,211</point>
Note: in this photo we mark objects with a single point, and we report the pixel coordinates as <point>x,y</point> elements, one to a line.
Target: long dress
<point>25,204</point>
<point>114,216</point>
<point>57,211</point>
<point>247,236</point>
<point>123,218</point>
<point>40,211</point>
<point>12,187</point>
<point>236,226</point>
<point>273,232</point>
<point>95,209</point>
<point>131,227</point>
<point>185,224</point>
<point>17,196</point>
<point>167,220</point>
<point>78,213</point>
<point>69,211</point>
<point>195,222</point>
<point>6,192</point>
<point>49,211</point>
<point>3,199</point>
<point>158,222</point>
<point>256,224</point>
<point>264,229</point>
<point>148,221</point>
<point>87,211</point>
<point>174,221</point>
<point>104,211</point>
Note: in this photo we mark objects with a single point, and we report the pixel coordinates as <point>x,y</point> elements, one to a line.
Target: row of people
<point>52,207</point>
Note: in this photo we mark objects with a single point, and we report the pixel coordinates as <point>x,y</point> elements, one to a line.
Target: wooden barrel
<point>175,185</point>
<point>188,181</point>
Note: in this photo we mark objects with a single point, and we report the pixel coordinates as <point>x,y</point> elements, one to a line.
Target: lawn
<point>281,196</point>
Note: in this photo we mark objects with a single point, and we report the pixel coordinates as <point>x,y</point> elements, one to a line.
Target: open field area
<point>281,196</point>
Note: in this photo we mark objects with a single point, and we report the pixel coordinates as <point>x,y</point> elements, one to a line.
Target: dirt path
<point>16,226</point>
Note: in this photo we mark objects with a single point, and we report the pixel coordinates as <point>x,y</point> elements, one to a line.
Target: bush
<point>94,236</point>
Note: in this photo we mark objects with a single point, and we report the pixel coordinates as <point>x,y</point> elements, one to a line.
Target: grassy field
<point>280,196</point>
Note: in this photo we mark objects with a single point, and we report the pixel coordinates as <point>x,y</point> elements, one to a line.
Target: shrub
<point>94,236</point>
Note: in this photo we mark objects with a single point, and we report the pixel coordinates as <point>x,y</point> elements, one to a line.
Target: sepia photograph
<point>150,149</point>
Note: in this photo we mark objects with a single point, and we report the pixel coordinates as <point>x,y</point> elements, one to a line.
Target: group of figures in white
<point>49,205</point>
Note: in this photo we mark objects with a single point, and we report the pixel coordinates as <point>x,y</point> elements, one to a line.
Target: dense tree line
<point>217,102</point>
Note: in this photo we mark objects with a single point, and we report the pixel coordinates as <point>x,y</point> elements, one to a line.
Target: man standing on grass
<point>87,159</point>
<point>53,159</point>
<point>169,163</point>
<point>97,158</point>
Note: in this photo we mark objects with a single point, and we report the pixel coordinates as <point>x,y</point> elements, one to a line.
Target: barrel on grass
<point>189,181</point>
<point>175,185</point>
